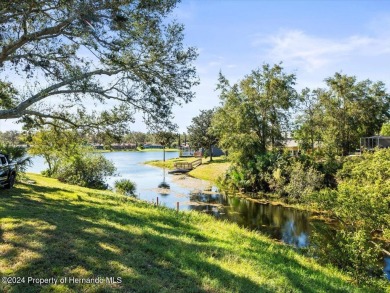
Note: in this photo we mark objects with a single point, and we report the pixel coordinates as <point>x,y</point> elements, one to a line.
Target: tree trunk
<point>211,153</point>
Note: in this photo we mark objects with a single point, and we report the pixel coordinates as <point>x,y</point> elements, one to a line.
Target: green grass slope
<point>210,171</point>
<point>54,230</point>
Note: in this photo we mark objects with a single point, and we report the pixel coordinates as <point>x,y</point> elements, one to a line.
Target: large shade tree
<point>254,112</point>
<point>92,63</point>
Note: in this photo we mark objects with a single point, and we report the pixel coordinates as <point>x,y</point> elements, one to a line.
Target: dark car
<point>7,172</point>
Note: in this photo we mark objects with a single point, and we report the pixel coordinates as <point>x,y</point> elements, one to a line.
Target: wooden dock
<point>185,167</point>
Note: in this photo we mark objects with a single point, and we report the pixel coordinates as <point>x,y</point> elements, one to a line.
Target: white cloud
<point>312,53</point>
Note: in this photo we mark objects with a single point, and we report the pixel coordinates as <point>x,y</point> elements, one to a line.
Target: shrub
<point>87,170</point>
<point>125,187</point>
<point>361,203</point>
<point>352,251</point>
<point>303,181</point>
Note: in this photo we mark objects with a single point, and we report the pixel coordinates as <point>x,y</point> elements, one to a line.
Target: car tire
<point>11,181</point>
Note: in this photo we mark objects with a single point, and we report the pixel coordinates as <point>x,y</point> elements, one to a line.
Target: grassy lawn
<point>54,230</point>
<point>206,171</point>
<point>211,170</point>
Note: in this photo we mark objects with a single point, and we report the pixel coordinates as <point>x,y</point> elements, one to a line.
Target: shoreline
<point>139,240</point>
<point>199,174</point>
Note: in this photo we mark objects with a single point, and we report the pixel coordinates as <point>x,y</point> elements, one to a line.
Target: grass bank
<point>207,171</point>
<point>157,150</point>
<point>54,230</point>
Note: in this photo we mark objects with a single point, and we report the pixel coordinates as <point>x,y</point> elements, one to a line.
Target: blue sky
<point>313,39</point>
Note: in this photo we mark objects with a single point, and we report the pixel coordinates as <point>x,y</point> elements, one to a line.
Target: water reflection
<point>164,184</point>
<point>288,225</point>
<point>387,267</point>
<point>285,224</point>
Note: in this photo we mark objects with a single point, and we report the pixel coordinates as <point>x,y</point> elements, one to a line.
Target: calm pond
<point>284,224</point>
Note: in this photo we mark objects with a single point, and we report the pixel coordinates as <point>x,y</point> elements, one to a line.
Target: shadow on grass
<point>214,161</point>
<point>149,250</point>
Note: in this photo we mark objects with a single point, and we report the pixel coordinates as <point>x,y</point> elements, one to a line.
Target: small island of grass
<point>209,171</point>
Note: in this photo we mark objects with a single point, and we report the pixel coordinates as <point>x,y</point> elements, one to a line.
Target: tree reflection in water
<point>164,186</point>
<point>288,225</point>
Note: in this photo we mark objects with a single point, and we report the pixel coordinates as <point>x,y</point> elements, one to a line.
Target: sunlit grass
<point>207,171</point>
<point>211,171</point>
<point>56,230</point>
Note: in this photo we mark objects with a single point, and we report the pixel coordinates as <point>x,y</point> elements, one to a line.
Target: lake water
<point>288,225</point>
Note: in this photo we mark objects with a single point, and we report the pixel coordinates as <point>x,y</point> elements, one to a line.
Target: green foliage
<point>165,138</point>
<point>266,172</point>
<point>12,152</point>
<point>361,202</point>
<point>7,95</point>
<point>352,251</point>
<point>364,191</point>
<point>89,233</point>
<point>303,181</point>
<point>54,145</point>
<point>200,132</point>
<point>329,166</point>
<point>385,130</point>
<point>125,187</point>
<point>342,113</point>
<point>254,112</point>
<point>11,137</point>
<point>87,170</point>
<point>133,44</point>
<point>69,159</point>
<point>309,124</point>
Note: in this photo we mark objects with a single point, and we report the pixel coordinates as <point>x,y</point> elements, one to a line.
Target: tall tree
<point>254,112</point>
<point>137,137</point>
<point>345,111</point>
<point>309,124</point>
<point>75,55</point>
<point>342,113</point>
<point>200,131</point>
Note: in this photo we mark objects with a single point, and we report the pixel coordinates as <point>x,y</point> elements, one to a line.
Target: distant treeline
<point>132,140</point>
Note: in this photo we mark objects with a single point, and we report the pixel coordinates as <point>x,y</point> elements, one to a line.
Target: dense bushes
<point>125,187</point>
<point>277,172</point>
<point>362,198</point>
<point>356,191</point>
<point>87,170</point>
<point>303,181</point>
<point>361,203</point>
<point>69,158</point>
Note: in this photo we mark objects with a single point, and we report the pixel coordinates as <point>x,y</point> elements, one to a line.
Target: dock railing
<point>188,165</point>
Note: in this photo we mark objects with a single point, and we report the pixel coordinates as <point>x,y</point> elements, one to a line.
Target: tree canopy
<point>200,131</point>
<point>254,112</point>
<point>385,129</point>
<point>92,63</point>
<point>342,113</point>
